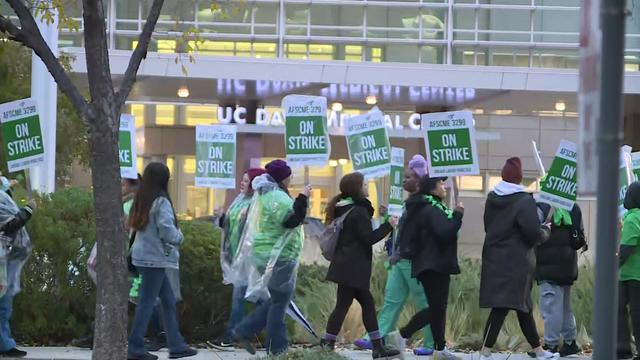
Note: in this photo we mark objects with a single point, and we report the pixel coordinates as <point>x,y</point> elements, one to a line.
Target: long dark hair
<point>154,184</point>
<point>350,186</point>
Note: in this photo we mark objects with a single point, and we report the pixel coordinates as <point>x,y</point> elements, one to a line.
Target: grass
<point>307,354</point>
<point>465,320</point>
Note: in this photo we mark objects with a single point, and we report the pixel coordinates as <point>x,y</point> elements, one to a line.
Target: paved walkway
<point>43,353</point>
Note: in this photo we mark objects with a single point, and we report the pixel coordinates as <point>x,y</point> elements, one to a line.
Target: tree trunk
<point>111,305</point>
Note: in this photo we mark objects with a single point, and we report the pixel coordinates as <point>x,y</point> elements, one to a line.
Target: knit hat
<point>419,165</point>
<point>512,171</point>
<point>278,170</point>
<point>252,173</point>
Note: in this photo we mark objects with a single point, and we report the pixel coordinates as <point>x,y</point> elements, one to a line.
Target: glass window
<point>336,20</point>
<point>165,115</point>
<point>470,183</point>
<point>201,115</point>
<point>264,50</point>
<point>137,110</point>
<point>556,58</point>
<point>296,51</point>
<point>127,9</point>
<point>296,18</point>
<point>228,17</point>
<point>189,165</point>
<point>353,53</point>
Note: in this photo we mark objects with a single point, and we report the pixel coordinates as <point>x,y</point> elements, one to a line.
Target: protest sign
<point>306,137</point>
<point>451,143</point>
<point>560,186</point>
<point>368,144</point>
<point>127,147</point>
<point>216,156</point>
<point>396,177</point>
<point>22,134</point>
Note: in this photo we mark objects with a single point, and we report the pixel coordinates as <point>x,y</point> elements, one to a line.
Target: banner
<point>450,140</point>
<point>127,147</point>
<point>396,178</point>
<point>216,156</point>
<point>589,96</point>
<point>635,162</point>
<point>22,134</point>
<point>368,144</point>
<point>626,177</point>
<point>560,187</point>
<point>306,138</point>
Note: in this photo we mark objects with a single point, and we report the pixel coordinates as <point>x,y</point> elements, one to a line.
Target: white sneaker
<point>445,355</point>
<point>397,341</point>
<point>548,356</point>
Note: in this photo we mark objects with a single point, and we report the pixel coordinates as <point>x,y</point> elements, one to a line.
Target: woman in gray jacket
<point>154,251</point>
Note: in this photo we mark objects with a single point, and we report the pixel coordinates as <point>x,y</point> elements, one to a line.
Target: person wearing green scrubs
<point>400,285</point>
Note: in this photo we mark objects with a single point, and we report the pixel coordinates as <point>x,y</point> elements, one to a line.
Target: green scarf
<point>438,204</point>
<point>562,217</point>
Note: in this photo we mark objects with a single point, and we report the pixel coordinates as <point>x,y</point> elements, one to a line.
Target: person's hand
<point>383,210</point>
<point>14,183</point>
<point>393,221</point>
<point>307,190</point>
<point>32,204</point>
<point>217,212</point>
<point>460,207</point>
<point>394,259</point>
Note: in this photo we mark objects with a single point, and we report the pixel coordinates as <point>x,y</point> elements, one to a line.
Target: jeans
<point>628,304</point>
<point>270,313</point>
<point>559,321</point>
<point>399,286</point>
<point>238,311</point>
<point>6,308</point>
<point>155,284</point>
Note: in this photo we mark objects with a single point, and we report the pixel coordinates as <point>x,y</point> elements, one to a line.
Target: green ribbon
<point>562,217</point>
<point>438,204</point>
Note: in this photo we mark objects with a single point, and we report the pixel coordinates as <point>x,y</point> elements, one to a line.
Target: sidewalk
<point>44,353</point>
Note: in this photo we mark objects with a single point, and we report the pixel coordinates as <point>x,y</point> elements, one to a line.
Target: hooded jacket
<point>432,235</point>
<point>513,229</point>
<point>557,258</point>
<point>352,260</point>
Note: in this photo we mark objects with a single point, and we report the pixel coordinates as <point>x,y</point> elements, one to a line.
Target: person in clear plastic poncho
<point>232,224</point>
<point>15,249</point>
<point>267,259</point>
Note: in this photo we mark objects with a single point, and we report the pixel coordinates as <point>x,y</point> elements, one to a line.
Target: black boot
<point>570,349</point>
<point>381,351</point>
<point>327,345</point>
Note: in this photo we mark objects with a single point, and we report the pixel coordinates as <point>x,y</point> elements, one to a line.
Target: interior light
<point>478,111</point>
<point>183,92</point>
<point>343,161</point>
<point>371,100</point>
<point>336,106</point>
<point>561,106</point>
<point>333,163</point>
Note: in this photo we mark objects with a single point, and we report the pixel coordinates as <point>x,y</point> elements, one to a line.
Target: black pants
<point>436,289</point>
<point>628,304</point>
<point>346,295</point>
<point>496,319</point>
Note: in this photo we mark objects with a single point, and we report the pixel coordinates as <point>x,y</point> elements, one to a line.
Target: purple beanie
<point>418,164</point>
<point>278,170</point>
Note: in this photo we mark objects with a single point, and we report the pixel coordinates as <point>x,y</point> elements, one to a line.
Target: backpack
<point>330,235</point>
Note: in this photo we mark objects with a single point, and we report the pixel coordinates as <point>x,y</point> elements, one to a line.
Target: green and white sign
<point>635,162</point>
<point>306,138</point>
<point>450,139</point>
<point>626,177</point>
<point>127,147</point>
<point>560,187</point>
<point>22,134</point>
<point>216,156</point>
<point>368,144</point>
<point>396,177</point>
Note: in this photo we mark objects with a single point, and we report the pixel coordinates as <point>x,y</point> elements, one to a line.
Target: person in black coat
<point>429,237</point>
<point>556,270</point>
<point>352,260</point>
<point>513,230</point>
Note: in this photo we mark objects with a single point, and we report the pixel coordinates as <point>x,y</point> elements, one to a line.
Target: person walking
<point>232,223</point>
<point>12,227</point>
<point>273,248</point>
<point>429,237</point>
<point>556,271</point>
<point>513,230</point>
<point>351,264</point>
<point>400,285</point>
<point>154,250</point>
<point>629,285</point>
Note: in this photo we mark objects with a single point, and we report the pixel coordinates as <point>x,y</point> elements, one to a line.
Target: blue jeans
<point>155,283</point>
<point>270,313</point>
<point>238,310</point>
<point>555,306</point>
<point>6,307</point>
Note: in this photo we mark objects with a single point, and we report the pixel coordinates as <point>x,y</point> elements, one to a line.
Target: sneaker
<point>363,344</point>
<point>397,341</point>
<point>445,355</point>
<point>570,349</point>
<point>13,353</point>
<point>83,343</point>
<point>246,345</point>
<point>327,345</point>
<point>387,353</point>
<point>423,351</point>
<point>147,356</point>
<point>188,352</point>
<point>221,345</point>
<point>546,355</point>
<point>152,345</point>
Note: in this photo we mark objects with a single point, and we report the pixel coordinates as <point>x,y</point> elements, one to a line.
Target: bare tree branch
<point>139,53</point>
<point>30,36</point>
